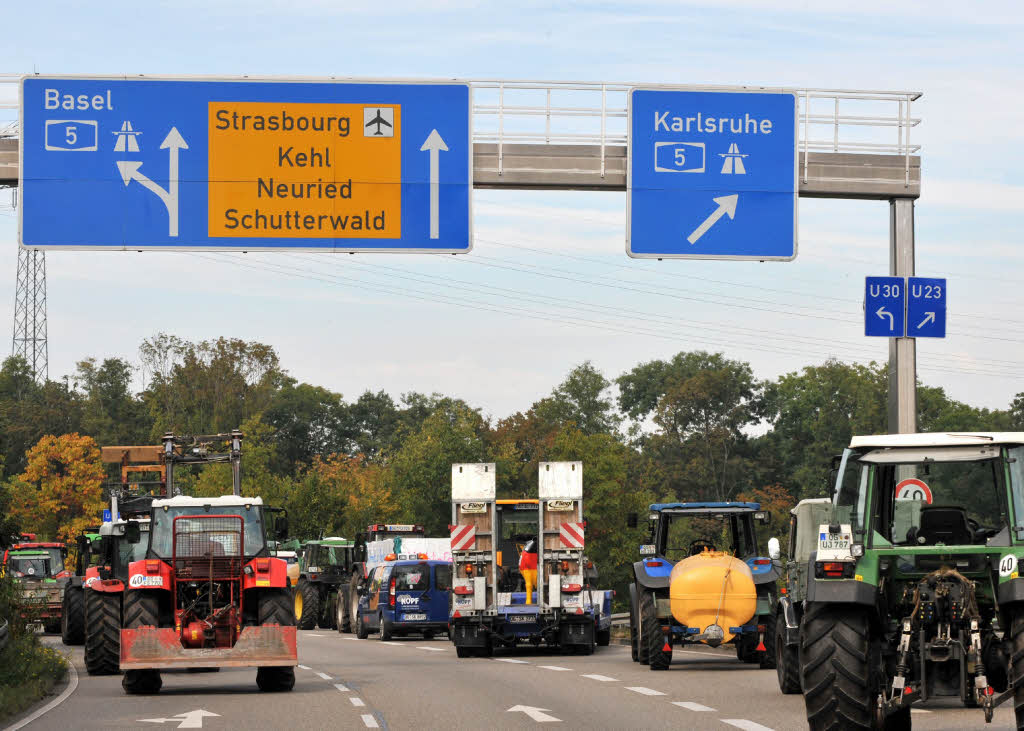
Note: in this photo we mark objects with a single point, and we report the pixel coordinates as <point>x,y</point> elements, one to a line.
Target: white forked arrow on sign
<point>928,317</point>
<point>192,719</point>
<point>435,144</point>
<point>537,714</point>
<point>726,204</point>
<point>130,171</point>
<point>884,313</point>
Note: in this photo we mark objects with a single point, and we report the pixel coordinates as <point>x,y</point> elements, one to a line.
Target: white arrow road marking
<point>928,317</point>
<point>537,714</point>
<point>601,678</point>
<point>690,706</point>
<point>726,204</point>
<point>745,724</point>
<point>884,313</point>
<point>435,144</point>
<point>644,691</point>
<point>192,719</point>
<point>129,170</point>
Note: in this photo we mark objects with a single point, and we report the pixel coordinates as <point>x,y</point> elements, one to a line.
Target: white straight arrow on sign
<point>435,144</point>
<point>191,719</point>
<point>537,714</point>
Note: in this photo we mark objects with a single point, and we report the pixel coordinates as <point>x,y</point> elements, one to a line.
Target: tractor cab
<point>57,553</point>
<point>29,564</point>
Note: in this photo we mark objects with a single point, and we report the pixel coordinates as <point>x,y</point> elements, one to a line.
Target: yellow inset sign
<point>283,170</point>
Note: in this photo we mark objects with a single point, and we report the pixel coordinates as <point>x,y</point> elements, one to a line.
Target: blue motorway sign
<point>884,300</point>
<point>712,174</point>
<point>132,163</point>
<point>926,307</point>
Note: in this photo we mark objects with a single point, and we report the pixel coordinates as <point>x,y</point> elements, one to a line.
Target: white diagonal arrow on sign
<point>435,144</point>
<point>191,719</point>
<point>129,170</point>
<point>726,204</point>
<point>928,317</point>
<point>884,313</point>
<point>537,714</point>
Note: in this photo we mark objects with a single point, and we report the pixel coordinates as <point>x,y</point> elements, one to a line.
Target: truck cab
<point>409,596</point>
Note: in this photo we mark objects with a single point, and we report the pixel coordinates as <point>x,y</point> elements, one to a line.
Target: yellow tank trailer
<point>712,592</point>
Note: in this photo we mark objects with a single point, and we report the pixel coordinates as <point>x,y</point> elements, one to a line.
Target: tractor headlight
<point>857,550</point>
<point>247,571</point>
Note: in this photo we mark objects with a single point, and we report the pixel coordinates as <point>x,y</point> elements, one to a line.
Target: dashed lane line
<point>512,660</point>
<point>325,676</point>
<point>690,706</point>
<point>919,710</point>
<point>357,702</point>
<point>309,634</point>
<point>431,649</point>
<point>369,721</point>
<point>745,724</point>
<point>353,639</point>
<point>553,667</point>
<point>601,678</point>
<point>341,687</point>
<point>643,691</point>
<point>303,667</point>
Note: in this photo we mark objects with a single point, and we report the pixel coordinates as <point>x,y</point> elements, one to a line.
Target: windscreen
<point>414,577</point>
<point>161,529</point>
<point>443,577</point>
<point>128,552</point>
<point>688,535</point>
<point>36,567</point>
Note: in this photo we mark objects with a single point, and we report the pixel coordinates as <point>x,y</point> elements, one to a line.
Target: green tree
<point>111,413</point>
<point>307,421</point>
<point>582,399</point>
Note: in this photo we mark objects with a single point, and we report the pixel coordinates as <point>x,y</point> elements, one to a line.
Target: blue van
<point>404,597</point>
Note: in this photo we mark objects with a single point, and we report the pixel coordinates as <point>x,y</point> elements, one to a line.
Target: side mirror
<point>281,527</point>
<point>132,532</point>
<point>774,549</point>
<point>631,520</point>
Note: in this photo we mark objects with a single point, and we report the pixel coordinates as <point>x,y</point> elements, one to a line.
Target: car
<point>409,596</point>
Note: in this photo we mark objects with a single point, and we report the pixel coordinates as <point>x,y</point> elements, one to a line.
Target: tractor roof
<point>937,439</point>
<point>332,541</point>
<point>229,501</point>
<point>28,552</point>
<point>706,507</point>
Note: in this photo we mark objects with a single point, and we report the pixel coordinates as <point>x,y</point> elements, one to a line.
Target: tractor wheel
<point>353,600</point>
<point>52,626</point>
<point>141,609</point>
<point>102,633</point>
<point>72,617</point>
<point>633,628</point>
<point>275,608</point>
<point>342,614</point>
<point>835,669</point>
<point>787,660</point>
<point>141,682</point>
<point>307,605</point>
<point>766,657</point>
<point>1017,664</point>
<point>604,637</point>
<point>275,680</point>
<point>464,652</point>
<point>327,606</point>
<point>659,657</point>
<point>643,655</point>
<point>746,649</point>
<point>361,630</point>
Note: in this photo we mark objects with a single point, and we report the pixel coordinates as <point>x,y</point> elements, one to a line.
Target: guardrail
<point>5,635</point>
<point>621,618</point>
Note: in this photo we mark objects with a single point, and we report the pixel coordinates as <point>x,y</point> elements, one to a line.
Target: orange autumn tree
<point>341,495</point>
<point>778,501</point>
<point>61,490</point>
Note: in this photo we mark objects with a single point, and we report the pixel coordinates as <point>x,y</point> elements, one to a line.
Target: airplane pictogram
<point>379,118</point>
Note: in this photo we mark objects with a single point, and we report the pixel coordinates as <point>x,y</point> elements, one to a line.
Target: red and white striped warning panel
<point>463,538</point>
<point>571,534</point>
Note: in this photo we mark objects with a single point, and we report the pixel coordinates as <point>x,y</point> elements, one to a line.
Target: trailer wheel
<point>834,669</point>
<point>307,605</point>
<point>787,660</point>
<point>659,658</point>
<point>275,680</point>
<point>141,682</point>
<point>766,658</point>
<point>72,617</point>
<point>643,655</point>
<point>102,633</point>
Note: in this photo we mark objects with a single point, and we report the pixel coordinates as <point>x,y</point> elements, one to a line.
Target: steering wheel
<point>699,545</point>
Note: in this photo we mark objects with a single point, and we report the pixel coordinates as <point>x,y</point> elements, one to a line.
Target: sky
<point>548,284</point>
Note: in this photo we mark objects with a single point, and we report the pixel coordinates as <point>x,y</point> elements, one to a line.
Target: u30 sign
<point>118,163</point>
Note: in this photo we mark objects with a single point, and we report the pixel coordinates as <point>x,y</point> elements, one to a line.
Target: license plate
<point>521,618</point>
<point>834,545</point>
<point>415,617</point>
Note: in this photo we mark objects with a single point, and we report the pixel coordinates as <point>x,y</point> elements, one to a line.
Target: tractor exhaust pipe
<point>236,461</point>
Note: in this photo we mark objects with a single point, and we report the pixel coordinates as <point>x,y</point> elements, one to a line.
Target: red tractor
<point>208,593</point>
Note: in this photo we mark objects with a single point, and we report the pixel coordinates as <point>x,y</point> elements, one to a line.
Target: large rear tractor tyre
<point>275,607</point>
<point>766,657</point>
<point>307,605</point>
<point>72,618</point>
<point>353,600</point>
<point>643,656</point>
<point>141,682</point>
<point>102,633</point>
<point>787,660</point>
<point>275,680</point>
<point>835,669</point>
<point>1017,664</point>
<point>342,616</point>
<point>658,657</point>
<point>141,609</point>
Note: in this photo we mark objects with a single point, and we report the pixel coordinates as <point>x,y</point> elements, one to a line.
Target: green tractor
<point>912,585</point>
<point>325,571</point>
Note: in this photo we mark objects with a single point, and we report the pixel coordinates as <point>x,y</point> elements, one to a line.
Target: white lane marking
<point>509,659</point>
<point>919,710</point>
<point>303,667</point>
<point>310,634</point>
<point>432,649</point>
<point>325,676</point>
<point>553,667</point>
<point>369,721</point>
<point>341,687</point>
<point>745,724</point>
<point>353,639</point>
<point>192,719</point>
<point>72,685</point>
<point>396,644</point>
<point>537,714</point>
<point>643,691</point>
<point>690,706</point>
<point>602,678</point>
<point>357,702</point>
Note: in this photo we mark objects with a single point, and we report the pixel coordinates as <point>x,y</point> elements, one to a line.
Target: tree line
<point>698,426</point>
